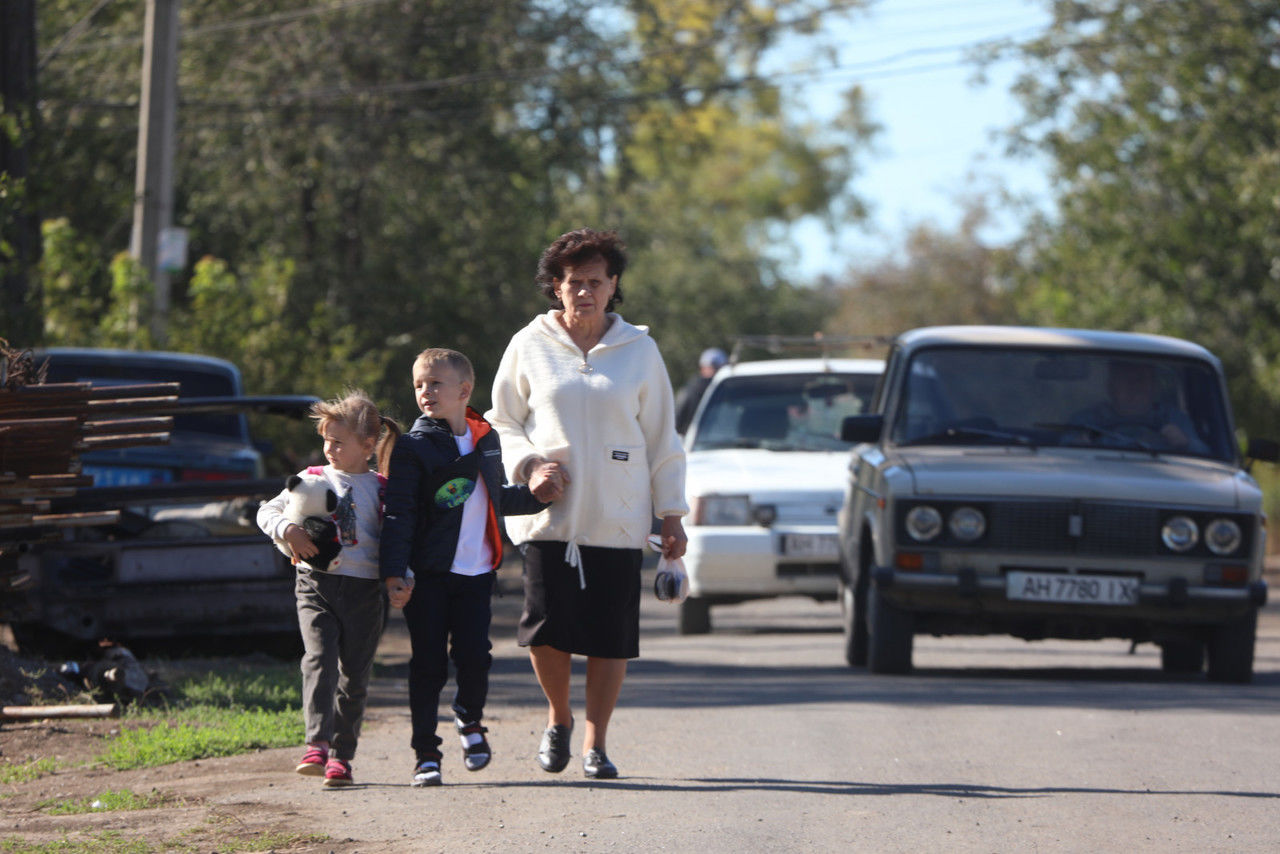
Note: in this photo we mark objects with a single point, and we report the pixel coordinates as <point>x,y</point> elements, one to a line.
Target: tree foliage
<point>1162,119</point>
<point>367,179</point>
<point>940,278</point>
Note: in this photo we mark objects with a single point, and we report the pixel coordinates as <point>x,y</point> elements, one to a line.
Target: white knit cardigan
<point>609,418</point>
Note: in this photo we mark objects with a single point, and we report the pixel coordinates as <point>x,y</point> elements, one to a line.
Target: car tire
<point>853,621</point>
<point>1230,649</point>
<point>889,635</point>
<point>695,616</point>
<point>1184,655</point>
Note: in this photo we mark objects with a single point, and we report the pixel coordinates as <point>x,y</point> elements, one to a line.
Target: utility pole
<point>153,187</point>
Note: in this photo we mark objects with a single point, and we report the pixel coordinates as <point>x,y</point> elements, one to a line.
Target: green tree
<point>406,163</point>
<point>1162,119</point>
<point>938,278</point>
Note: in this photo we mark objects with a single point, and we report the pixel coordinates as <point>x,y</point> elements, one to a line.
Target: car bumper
<point>966,590</point>
<point>752,562</point>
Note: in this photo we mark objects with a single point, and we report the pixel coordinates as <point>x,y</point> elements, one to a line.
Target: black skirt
<point>602,620</point>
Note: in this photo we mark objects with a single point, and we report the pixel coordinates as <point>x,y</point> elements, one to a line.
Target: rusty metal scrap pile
<point>44,429</point>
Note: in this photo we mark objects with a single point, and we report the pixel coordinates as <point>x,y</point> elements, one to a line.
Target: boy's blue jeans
<point>448,618</point>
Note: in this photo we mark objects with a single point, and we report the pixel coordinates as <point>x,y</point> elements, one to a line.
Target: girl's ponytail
<point>386,444</point>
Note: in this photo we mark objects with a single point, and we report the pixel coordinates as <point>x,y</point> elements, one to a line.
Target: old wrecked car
<point>183,562</point>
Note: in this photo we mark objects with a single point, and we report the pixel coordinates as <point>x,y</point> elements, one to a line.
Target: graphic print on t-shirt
<point>345,518</point>
<point>454,493</point>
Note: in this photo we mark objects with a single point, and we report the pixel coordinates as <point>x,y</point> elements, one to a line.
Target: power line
<point>76,30</point>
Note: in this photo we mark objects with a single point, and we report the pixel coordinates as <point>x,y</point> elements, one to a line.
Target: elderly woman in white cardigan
<point>585,396</point>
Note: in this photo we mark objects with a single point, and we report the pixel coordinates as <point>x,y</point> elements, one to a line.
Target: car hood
<point>1108,475</point>
<point>755,472</point>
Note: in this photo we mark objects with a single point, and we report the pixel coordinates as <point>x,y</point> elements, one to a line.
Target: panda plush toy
<point>310,505</point>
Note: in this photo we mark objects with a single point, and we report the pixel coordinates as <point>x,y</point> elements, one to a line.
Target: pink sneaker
<point>337,773</point>
<point>312,764</point>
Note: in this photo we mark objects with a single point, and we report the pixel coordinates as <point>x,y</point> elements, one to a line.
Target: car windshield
<point>1037,398</point>
<point>192,383</point>
<point>782,412</point>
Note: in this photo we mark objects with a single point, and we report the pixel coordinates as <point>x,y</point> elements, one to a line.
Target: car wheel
<point>695,616</point>
<point>1230,650</point>
<point>889,635</point>
<point>853,622</point>
<point>1182,656</point>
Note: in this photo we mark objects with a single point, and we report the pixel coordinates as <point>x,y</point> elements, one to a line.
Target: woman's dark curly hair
<point>580,247</point>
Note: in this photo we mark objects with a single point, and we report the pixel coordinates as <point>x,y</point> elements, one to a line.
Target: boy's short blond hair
<point>452,358</point>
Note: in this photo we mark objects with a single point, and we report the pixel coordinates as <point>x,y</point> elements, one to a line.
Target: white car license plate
<point>1083,589</point>
<point>810,545</point>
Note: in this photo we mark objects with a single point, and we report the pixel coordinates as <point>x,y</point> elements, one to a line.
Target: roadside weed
<point>11,773</point>
<point>107,842</point>
<point>202,732</point>
<point>109,801</point>
<point>215,710</point>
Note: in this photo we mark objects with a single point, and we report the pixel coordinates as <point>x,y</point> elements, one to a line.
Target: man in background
<point>687,398</point>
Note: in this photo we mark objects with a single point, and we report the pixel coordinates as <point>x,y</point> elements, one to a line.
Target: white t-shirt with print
<point>473,555</point>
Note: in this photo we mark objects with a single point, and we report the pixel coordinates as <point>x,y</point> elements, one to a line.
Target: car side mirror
<point>1266,450</point>
<point>861,428</point>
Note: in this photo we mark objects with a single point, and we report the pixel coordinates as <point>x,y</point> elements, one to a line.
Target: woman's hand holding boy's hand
<point>398,591</point>
<point>547,481</point>
<point>299,543</point>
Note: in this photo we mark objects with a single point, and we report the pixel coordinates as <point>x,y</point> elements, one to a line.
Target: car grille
<point>1105,529</point>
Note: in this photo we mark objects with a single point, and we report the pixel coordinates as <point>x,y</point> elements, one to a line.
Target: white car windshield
<point>1015,396</point>
<point>782,412</point>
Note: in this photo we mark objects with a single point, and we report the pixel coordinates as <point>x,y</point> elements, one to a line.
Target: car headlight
<point>722,510</point>
<point>967,524</point>
<point>1180,533</point>
<point>1222,536</point>
<point>924,523</point>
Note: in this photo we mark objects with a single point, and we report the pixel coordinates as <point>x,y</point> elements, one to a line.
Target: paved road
<point>758,738</point>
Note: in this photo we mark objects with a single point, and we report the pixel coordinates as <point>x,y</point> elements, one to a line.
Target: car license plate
<point>126,475</point>
<point>810,545</point>
<point>1083,589</point>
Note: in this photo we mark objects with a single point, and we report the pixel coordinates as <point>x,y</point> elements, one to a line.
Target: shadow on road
<point>714,785</point>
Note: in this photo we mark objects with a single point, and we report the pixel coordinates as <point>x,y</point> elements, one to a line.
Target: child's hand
<point>398,591</point>
<point>299,543</point>
<point>547,481</point>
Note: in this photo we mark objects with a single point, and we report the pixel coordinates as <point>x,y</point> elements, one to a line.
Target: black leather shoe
<point>595,764</point>
<point>553,753</point>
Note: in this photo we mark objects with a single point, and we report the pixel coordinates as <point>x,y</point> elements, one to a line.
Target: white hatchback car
<point>766,475</point>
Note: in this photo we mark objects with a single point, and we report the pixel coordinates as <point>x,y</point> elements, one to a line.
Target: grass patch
<point>107,842</point>
<point>218,709</point>
<point>21,773</point>
<point>109,801</point>
<point>214,732</point>
<point>272,687</point>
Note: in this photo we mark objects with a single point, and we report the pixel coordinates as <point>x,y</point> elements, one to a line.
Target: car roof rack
<point>818,344</point>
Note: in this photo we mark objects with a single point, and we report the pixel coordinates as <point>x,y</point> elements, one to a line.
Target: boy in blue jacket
<point>446,492</point>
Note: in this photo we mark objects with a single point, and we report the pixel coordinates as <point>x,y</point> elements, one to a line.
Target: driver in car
<point>1133,408</point>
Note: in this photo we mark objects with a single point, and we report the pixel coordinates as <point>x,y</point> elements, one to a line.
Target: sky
<point>935,143</point>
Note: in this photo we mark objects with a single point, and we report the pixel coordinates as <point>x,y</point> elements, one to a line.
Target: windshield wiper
<point>1096,432</point>
<point>962,433</point>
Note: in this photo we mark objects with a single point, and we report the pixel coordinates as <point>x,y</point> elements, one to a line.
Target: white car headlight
<point>967,524</point>
<point>1222,536</point>
<point>1180,533</point>
<point>924,523</point>
<point>722,510</point>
